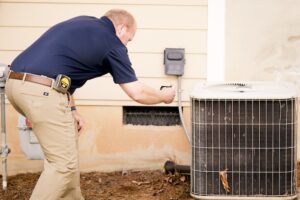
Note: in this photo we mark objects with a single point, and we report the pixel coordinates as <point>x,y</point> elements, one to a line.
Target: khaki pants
<point>54,126</point>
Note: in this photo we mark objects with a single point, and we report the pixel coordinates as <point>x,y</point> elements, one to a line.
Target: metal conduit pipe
<point>179,91</point>
<point>170,166</point>
<point>4,150</point>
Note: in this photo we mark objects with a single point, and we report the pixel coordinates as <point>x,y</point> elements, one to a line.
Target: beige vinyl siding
<point>154,16</point>
<point>161,24</point>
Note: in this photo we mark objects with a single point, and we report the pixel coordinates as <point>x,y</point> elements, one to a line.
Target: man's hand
<point>168,94</point>
<point>79,121</point>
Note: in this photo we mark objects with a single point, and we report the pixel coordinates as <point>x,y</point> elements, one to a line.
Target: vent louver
<point>147,115</point>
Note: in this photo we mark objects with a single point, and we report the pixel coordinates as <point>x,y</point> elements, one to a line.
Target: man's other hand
<point>79,122</point>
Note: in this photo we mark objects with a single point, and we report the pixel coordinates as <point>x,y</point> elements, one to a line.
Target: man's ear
<point>121,29</point>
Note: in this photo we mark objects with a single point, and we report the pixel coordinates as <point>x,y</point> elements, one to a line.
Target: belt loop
<point>52,83</point>
<point>24,76</point>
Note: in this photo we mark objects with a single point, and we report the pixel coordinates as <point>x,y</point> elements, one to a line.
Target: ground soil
<point>126,185</point>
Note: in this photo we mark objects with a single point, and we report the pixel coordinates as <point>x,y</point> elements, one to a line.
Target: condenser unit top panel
<point>244,90</point>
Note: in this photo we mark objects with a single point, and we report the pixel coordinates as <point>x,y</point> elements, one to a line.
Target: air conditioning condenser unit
<point>244,141</point>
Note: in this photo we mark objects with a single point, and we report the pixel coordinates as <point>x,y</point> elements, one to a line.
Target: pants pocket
<point>33,106</point>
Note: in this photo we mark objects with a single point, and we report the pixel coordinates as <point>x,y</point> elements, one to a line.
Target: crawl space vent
<point>146,115</point>
<point>244,141</point>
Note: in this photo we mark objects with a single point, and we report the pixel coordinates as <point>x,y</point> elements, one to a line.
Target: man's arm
<point>144,94</point>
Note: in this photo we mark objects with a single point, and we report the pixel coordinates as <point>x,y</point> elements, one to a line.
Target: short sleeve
<point>118,62</point>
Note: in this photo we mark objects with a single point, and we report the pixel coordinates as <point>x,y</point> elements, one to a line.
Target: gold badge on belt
<point>62,83</point>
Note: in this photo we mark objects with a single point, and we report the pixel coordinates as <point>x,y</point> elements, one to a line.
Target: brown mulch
<point>127,185</point>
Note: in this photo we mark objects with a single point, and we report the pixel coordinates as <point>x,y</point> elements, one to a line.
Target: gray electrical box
<point>174,61</point>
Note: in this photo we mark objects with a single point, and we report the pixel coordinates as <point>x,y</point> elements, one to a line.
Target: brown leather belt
<point>31,78</point>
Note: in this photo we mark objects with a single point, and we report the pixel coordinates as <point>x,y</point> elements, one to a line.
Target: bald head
<point>119,16</point>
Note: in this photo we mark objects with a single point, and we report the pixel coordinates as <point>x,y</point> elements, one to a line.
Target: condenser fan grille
<point>243,147</point>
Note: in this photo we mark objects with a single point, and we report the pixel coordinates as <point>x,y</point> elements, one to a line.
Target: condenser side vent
<point>244,147</point>
<point>156,116</point>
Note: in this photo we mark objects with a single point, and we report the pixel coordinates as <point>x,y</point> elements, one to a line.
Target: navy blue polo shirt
<point>82,48</point>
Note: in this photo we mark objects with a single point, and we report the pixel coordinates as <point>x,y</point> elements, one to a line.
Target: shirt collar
<point>109,23</point>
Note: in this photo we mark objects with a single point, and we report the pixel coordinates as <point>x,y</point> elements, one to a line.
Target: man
<point>81,48</point>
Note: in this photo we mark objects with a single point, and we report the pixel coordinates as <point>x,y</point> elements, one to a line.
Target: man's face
<point>125,34</point>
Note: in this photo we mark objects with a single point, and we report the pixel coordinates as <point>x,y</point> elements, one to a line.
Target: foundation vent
<point>146,115</point>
